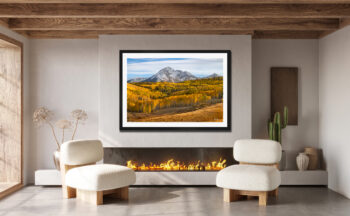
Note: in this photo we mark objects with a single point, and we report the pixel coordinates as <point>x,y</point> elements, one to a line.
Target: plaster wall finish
<point>287,53</point>
<point>64,77</point>
<point>334,90</point>
<point>84,73</point>
<point>109,47</point>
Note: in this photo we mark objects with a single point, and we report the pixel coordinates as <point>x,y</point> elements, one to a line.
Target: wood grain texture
<point>274,193</point>
<point>272,19</point>
<point>284,92</point>
<point>92,197</point>
<point>119,193</point>
<point>235,195</point>
<point>342,24</point>
<point>288,34</point>
<point>171,24</point>
<point>11,124</point>
<point>95,34</point>
<point>228,195</point>
<point>263,198</point>
<point>10,41</point>
<point>174,10</point>
<point>185,1</point>
<point>4,22</point>
<point>10,190</point>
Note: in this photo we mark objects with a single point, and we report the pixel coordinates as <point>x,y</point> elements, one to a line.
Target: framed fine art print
<point>175,90</point>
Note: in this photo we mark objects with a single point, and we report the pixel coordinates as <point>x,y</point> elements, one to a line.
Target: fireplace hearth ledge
<point>289,177</point>
<point>176,178</point>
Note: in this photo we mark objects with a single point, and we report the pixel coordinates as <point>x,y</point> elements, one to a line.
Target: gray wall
<point>109,47</point>
<point>334,90</point>
<point>287,53</point>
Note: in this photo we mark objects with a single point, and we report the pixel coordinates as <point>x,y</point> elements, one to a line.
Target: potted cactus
<point>275,128</point>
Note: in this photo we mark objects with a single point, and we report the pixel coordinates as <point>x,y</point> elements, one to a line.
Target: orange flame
<point>172,165</point>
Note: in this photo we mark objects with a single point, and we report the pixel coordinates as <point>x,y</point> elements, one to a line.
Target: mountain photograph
<point>174,90</point>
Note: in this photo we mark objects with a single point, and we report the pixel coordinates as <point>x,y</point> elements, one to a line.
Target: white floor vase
<point>302,161</point>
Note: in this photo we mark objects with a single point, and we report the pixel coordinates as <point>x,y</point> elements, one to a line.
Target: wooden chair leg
<point>68,192</point>
<point>119,193</point>
<point>273,193</point>
<point>230,195</point>
<point>124,193</point>
<point>263,198</point>
<point>93,197</point>
<point>227,195</point>
<point>250,197</point>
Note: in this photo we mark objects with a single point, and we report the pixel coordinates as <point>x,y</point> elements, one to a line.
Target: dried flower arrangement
<point>79,116</point>
<point>42,115</point>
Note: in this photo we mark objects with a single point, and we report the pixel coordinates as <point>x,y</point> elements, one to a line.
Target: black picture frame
<point>228,128</point>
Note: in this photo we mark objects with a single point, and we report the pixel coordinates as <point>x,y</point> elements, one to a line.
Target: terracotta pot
<point>56,159</point>
<point>302,161</point>
<point>313,156</point>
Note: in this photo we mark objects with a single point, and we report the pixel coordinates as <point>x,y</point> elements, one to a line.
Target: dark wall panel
<point>284,92</point>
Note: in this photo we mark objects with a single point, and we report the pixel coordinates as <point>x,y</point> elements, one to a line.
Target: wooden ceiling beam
<point>95,34</point>
<point>342,24</point>
<point>4,22</point>
<point>171,24</point>
<point>287,34</point>
<point>174,10</point>
<point>185,1</point>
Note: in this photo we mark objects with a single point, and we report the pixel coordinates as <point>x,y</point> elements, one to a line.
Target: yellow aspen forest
<point>189,101</point>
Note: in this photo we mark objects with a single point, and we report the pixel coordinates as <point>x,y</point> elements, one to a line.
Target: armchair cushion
<point>79,152</point>
<point>249,177</point>
<point>100,177</point>
<point>257,151</point>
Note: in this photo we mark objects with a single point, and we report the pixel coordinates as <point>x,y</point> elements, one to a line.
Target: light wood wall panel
<point>10,113</point>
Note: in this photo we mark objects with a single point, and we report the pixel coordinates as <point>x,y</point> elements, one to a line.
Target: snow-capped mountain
<point>169,74</point>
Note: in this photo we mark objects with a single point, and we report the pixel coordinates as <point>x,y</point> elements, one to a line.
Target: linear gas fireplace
<point>163,166</point>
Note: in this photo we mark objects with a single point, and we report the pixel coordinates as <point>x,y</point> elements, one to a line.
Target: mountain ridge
<point>168,74</point>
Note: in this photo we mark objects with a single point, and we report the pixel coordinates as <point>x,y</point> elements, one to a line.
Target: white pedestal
<point>292,177</point>
<point>47,177</point>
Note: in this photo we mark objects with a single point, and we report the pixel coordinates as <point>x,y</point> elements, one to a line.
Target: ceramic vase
<point>302,161</point>
<point>56,159</point>
<point>312,153</point>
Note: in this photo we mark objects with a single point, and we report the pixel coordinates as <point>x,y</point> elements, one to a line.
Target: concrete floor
<point>189,201</point>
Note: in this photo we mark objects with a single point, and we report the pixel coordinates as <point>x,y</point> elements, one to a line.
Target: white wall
<point>63,77</point>
<point>109,47</point>
<point>26,99</point>
<point>287,53</point>
<point>334,90</point>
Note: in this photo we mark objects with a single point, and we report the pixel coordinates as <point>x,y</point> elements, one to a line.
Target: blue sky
<point>200,67</point>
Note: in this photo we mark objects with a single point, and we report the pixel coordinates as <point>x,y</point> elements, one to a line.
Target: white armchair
<point>257,173</point>
<point>88,181</point>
